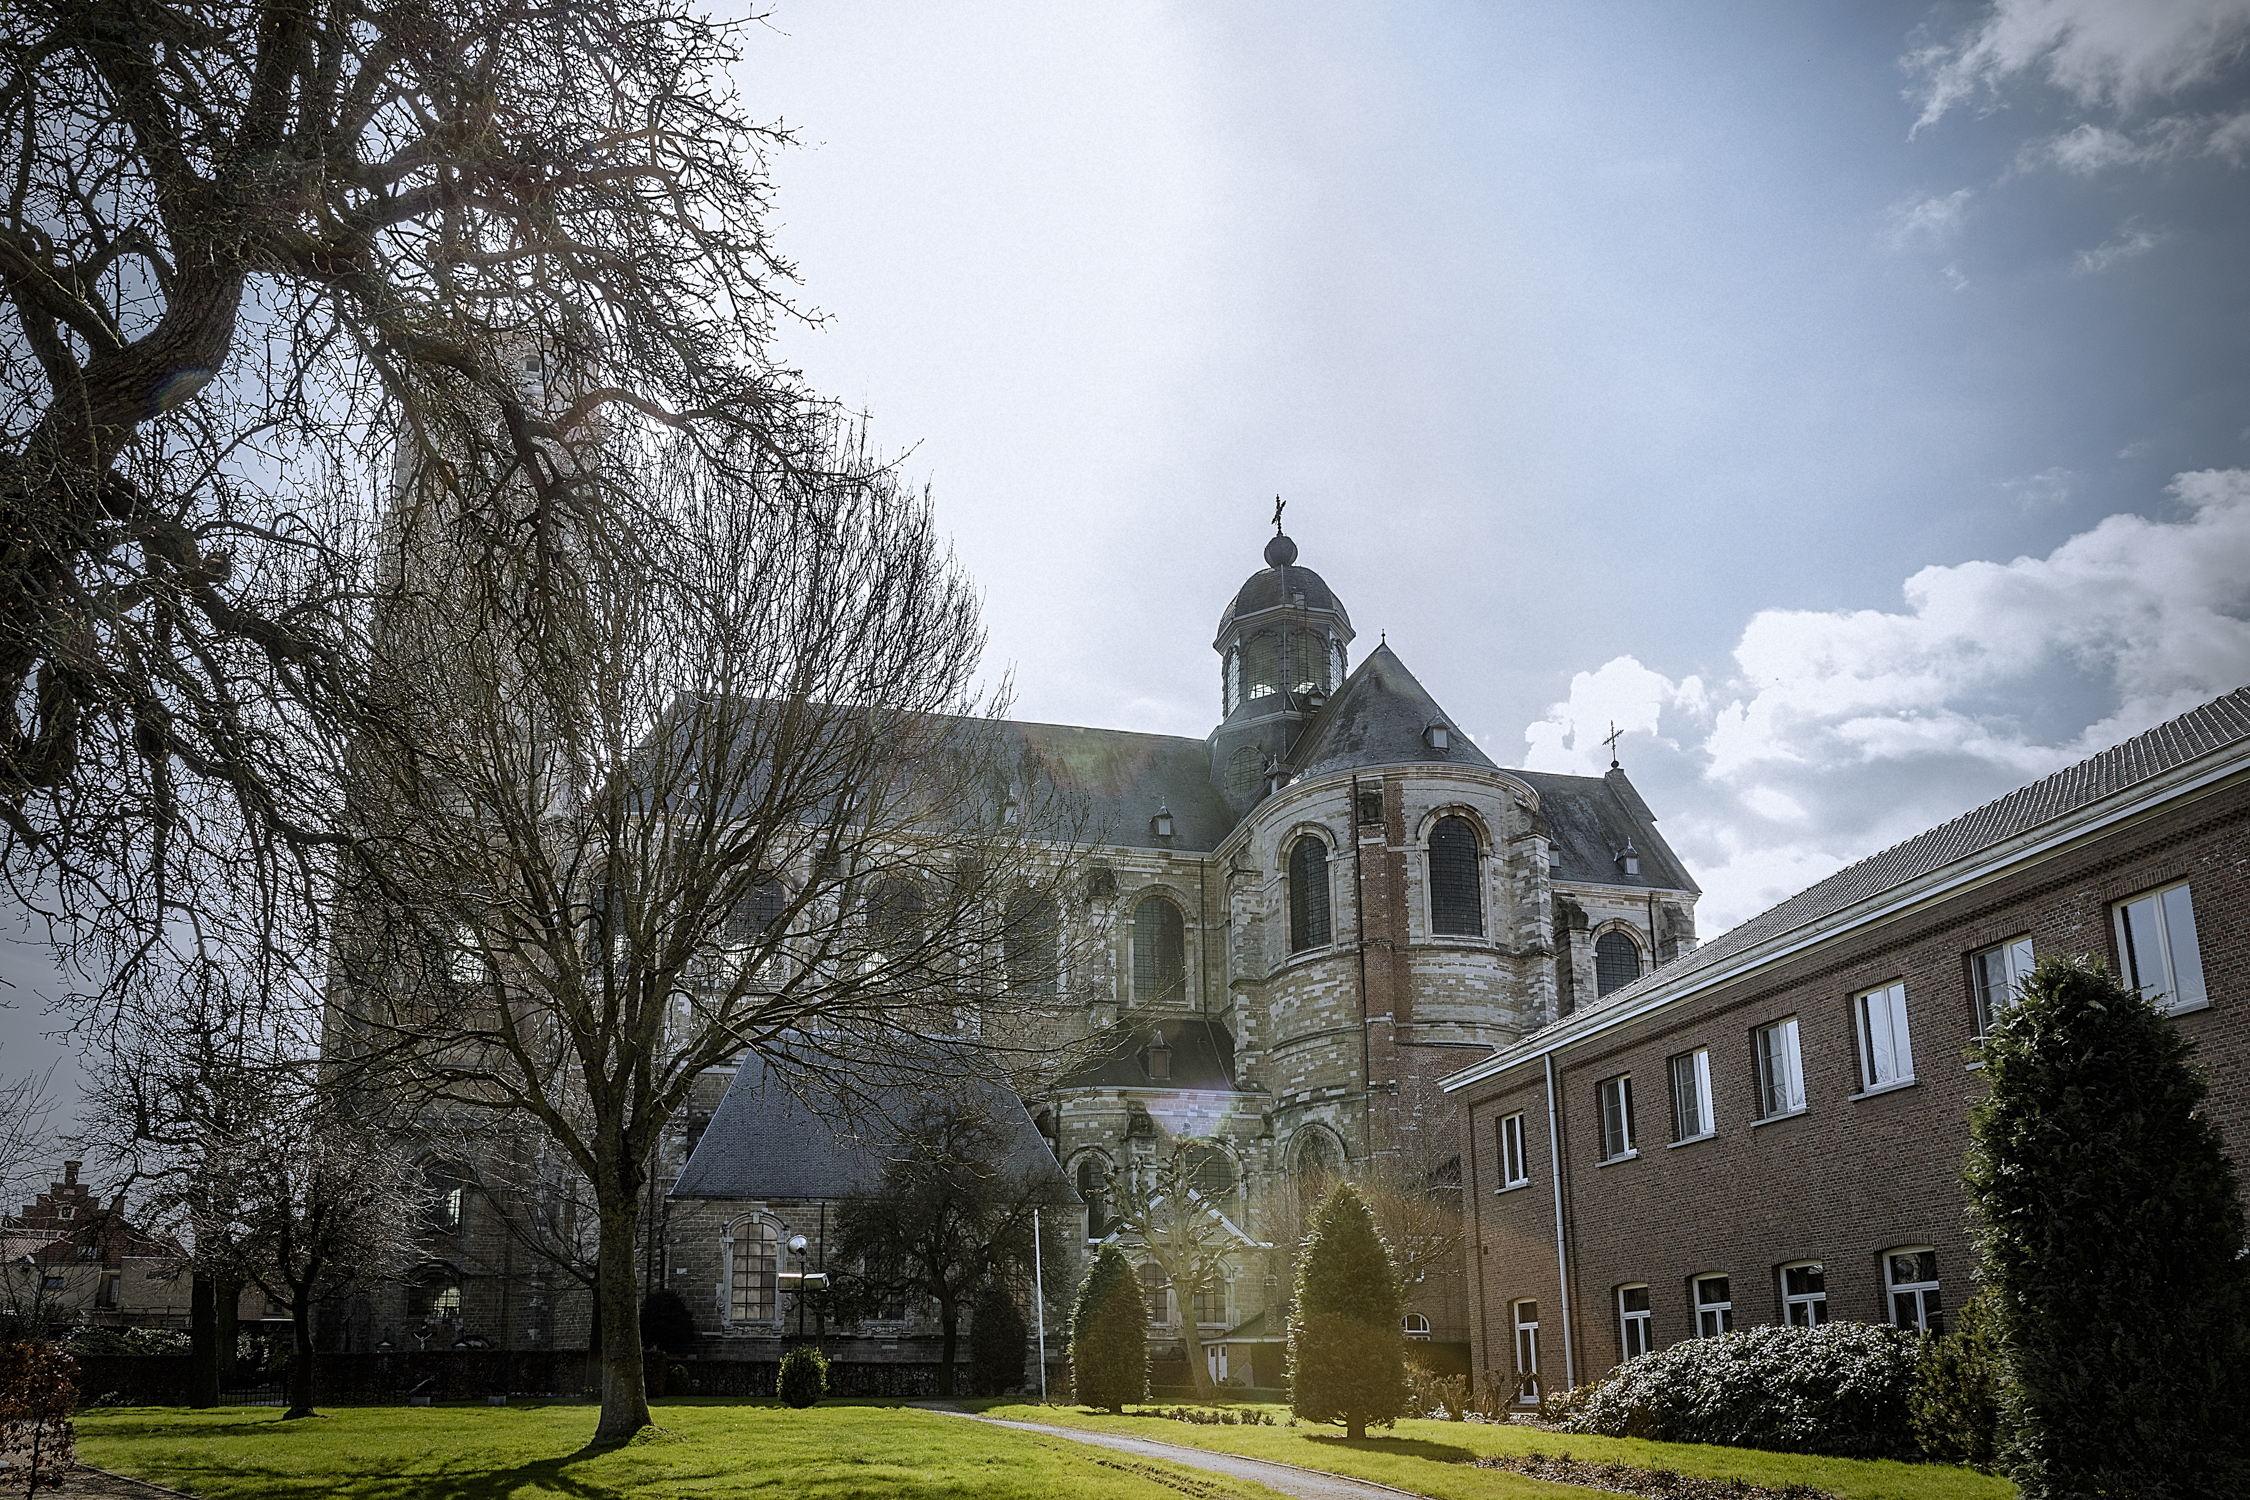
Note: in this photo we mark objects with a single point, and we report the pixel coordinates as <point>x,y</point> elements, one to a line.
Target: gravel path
<point>1305,1484</point>
<point>100,1484</point>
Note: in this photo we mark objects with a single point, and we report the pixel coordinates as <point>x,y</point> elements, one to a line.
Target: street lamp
<point>801,1281</point>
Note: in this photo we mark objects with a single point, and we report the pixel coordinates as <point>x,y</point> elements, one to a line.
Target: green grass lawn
<point>705,1450</point>
<point>1432,1458</point>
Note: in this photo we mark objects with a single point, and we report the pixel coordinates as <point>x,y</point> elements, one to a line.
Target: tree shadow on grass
<point>1398,1447</point>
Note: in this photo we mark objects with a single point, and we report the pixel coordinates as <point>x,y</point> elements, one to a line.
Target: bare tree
<point>682,788</point>
<point>952,1211</point>
<point>275,270</point>
<point>1187,1233</point>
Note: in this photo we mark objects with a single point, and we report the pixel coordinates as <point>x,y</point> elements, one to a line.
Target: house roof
<point>1590,819</point>
<point>2222,723</point>
<point>805,1136</point>
<point>1378,718</point>
<point>1125,777</point>
<point>1281,583</point>
<point>1202,1057</point>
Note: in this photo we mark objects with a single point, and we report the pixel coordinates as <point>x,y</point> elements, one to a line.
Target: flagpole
<point>1039,1302</point>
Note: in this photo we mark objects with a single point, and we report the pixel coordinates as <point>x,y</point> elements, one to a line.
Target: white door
<point>1215,1358</point>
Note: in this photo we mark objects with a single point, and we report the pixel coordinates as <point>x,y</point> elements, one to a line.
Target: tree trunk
<point>1355,1425</point>
<point>1199,1374</point>
<point>949,1320</point>
<point>227,1296</point>
<point>300,1357</point>
<point>203,1342</point>
<point>624,1388</point>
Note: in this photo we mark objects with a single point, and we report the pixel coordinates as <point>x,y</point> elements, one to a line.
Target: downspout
<point>1359,920</point>
<point>1562,1260</point>
<point>1654,957</point>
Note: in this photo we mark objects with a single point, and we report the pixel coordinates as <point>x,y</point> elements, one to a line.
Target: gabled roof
<point>767,1140</point>
<point>1125,777</point>
<point>1202,1057</point>
<point>2215,726</point>
<point>1377,719</point>
<point>1590,819</point>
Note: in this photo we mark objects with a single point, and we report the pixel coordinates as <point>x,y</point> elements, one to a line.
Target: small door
<point>1215,1359</point>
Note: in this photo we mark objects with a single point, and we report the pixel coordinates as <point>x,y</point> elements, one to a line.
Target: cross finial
<point>1279,505</point>
<point>1612,743</point>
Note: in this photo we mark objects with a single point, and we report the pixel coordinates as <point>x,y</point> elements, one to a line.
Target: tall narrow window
<point>1691,1095</point>
<point>1996,972</point>
<point>1030,945</point>
<point>1308,894</point>
<point>1234,679</point>
<point>1911,1277</point>
<point>1714,1307</point>
<point>1804,1294</point>
<point>1781,1072</point>
<point>755,919</point>
<point>752,1274</point>
<point>1157,1291</point>
<point>1886,1056</point>
<point>2156,947</point>
<point>1635,1320</point>
<point>1456,906</point>
<point>1211,1304</point>
<point>1093,1190</point>
<point>1210,1175</point>
<point>1159,953</point>
<point>1617,1117</point>
<point>1512,1173</point>
<point>1617,961</point>
<point>1527,1352</point>
<point>1261,665</point>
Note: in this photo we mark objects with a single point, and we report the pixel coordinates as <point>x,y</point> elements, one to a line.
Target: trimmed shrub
<point>38,1394</point>
<point>1956,1400</point>
<point>667,1324</point>
<point>1840,1389</point>
<point>996,1341</point>
<point>2111,1237</point>
<point>1347,1356</point>
<point>1109,1335</point>
<point>804,1376</point>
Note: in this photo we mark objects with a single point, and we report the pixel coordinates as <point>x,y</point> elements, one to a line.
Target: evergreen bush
<point>1840,1389</point>
<point>804,1376</point>
<point>1956,1400</point>
<point>1109,1335</point>
<point>996,1340</point>
<point>1347,1354</point>
<point>2111,1238</point>
<point>667,1324</point>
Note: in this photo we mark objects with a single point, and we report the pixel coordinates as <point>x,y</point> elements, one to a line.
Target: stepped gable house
<point>1772,1129</point>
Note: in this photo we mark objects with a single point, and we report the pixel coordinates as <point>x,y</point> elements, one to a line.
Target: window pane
<point>1711,1289</point>
<point>2187,958</point>
<point>1903,1311</point>
<point>1617,962</point>
<point>1636,1298</point>
<point>2144,951</point>
<point>1686,1100</point>
<point>1308,895</point>
<point>1456,908</point>
<point>1159,952</point>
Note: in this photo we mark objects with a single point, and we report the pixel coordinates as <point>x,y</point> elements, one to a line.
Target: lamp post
<point>801,1281</point>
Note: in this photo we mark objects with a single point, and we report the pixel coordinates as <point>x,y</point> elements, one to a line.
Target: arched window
<point>1617,961</point>
<point>1154,1287</point>
<point>437,1294</point>
<point>894,916</point>
<point>1093,1189</point>
<point>447,1186</point>
<point>1308,894</point>
<point>1210,1174</point>
<point>1261,665</point>
<point>1159,952</point>
<point>1456,906</point>
<point>758,916</point>
<point>1032,967</point>
<point>1234,678</point>
<point>1335,665</point>
<point>750,1277</point>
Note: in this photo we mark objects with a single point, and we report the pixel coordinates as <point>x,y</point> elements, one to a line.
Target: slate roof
<point>764,1141</point>
<point>1125,776</point>
<point>1377,719</point>
<point>1202,1057</point>
<point>2198,732</point>
<point>1273,587</point>
<point>1589,819</point>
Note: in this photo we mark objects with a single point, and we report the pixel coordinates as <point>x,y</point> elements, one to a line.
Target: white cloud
<point>2100,52</point>
<point>1844,731</point>
<point>1953,277</point>
<point>2230,138</point>
<point>2132,242</point>
<point>2088,149</point>
<point>2038,491</point>
<point>1930,222</point>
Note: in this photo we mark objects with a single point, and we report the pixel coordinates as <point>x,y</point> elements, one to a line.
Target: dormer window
<point>1629,859</point>
<point>1159,1057</point>
<point>1161,824</point>
<point>1436,737</point>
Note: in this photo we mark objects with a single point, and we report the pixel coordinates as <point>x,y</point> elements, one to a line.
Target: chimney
<point>70,1172</point>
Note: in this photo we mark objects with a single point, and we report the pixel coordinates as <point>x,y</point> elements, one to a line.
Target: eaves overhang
<point>2186,782</point>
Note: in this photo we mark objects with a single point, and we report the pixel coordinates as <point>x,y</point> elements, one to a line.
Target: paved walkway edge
<point>1195,1458</point>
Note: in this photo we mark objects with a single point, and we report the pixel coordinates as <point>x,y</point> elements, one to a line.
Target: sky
<point>1851,403</point>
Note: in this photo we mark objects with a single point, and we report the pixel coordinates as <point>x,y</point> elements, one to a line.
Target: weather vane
<point>1612,743</point>
<point>1279,505</point>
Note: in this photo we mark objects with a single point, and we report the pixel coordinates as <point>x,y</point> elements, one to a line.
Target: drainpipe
<point>1654,957</point>
<point>1562,1260</point>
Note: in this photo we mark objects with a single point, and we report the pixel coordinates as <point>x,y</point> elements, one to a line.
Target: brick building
<point>1772,1129</point>
<point>69,1259</point>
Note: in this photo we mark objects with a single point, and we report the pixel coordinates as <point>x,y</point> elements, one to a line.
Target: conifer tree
<point>1347,1356</point>
<point>996,1338</point>
<point>1109,1335</point>
<point>2112,1242</point>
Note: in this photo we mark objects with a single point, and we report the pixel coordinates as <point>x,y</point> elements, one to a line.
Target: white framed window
<point>1414,1326</point>
<point>1617,1117</point>
<point>1634,1321</point>
<point>1714,1306</point>
<point>1691,1095</point>
<point>1781,1070</point>
<point>2157,950</point>
<point>1910,1275</point>
<point>753,1259</point>
<point>1994,974</point>
<point>1886,1055</point>
<point>1527,1352</point>
<point>1804,1294</point>
<point>1513,1172</point>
